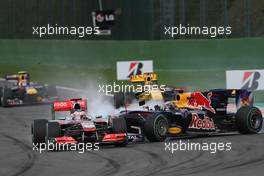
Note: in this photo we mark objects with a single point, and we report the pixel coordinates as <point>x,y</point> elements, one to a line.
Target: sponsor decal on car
<point>206,123</point>
<point>198,100</point>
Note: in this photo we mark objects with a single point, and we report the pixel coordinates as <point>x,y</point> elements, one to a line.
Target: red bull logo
<point>198,123</point>
<point>198,100</point>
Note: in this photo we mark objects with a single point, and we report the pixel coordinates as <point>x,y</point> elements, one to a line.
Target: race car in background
<point>18,90</point>
<point>149,90</point>
<point>70,124</point>
<point>197,113</point>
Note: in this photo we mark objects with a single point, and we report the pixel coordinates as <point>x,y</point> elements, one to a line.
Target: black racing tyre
<point>53,130</point>
<point>156,127</point>
<point>52,91</point>
<point>249,120</point>
<point>38,131</point>
<point>119,125</point>
<point>119,99</point>
<point>6,94</point>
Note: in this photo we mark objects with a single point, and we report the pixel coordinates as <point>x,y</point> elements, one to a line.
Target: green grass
<point>196,64</point>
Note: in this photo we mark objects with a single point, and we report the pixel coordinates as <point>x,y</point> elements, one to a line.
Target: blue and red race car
<point>19,90</point>
<point>196,113</point>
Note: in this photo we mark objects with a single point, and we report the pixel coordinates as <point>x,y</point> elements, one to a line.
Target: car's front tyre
<point>156,127</point>
<point>38,131</point>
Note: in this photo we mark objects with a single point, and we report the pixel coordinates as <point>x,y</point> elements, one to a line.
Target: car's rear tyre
<point>249,120</point>
<point>53,130</point>
<point>6,94</point>
<point>156,127</point>
<point>119,99</point>
<point>38,131</point>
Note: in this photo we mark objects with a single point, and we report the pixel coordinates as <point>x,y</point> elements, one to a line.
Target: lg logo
<point>250,80</point>
<point>135,68</point>
<point>107,17</point>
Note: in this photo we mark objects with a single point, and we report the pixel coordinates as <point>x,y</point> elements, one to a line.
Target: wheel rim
<point>161,127</point>
<point>255,121</point>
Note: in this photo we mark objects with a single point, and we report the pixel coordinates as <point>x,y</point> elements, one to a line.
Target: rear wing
<point>146,78</point>
<point>12,77</point>
<point>67,105</point>
<point>220,98</point>
<point>22,75</point>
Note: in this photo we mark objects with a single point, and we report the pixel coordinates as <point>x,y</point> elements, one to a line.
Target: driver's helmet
<point>77,113</point>
<point>76,106</point>
<point>23,83</point>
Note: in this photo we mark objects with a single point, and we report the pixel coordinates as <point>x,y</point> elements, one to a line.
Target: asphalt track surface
<point>17,157</point>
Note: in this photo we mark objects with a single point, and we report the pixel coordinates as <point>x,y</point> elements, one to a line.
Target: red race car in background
<point>70,124</point>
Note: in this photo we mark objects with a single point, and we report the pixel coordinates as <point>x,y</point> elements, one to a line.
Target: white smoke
<point>98,103</point>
